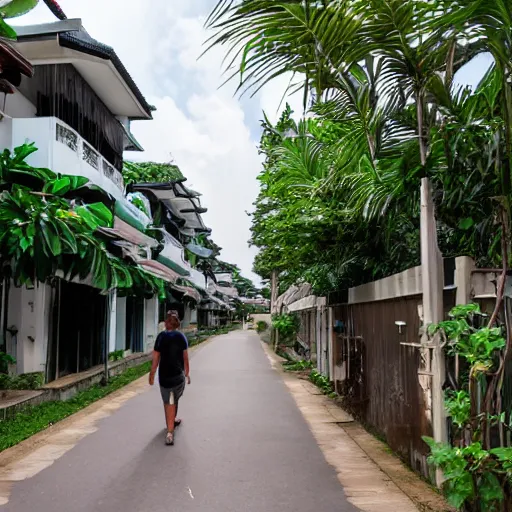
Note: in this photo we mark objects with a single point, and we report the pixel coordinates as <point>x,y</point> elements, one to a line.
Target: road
<point>243,446</point>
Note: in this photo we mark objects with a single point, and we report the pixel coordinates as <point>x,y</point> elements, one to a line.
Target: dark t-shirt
<point>171,345</point>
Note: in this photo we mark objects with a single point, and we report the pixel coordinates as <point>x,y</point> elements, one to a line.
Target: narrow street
<point>243,446</point>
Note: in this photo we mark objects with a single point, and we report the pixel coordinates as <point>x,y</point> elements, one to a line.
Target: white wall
<point>5,133</point>
<point>120,323</point>
<point>187,315</point>
<point>17,105</point>
<point>29,312</point>
<point>150,323</point>
<point>112,332</point>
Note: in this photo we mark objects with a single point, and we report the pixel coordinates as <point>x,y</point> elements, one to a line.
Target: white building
<point>77,110</point>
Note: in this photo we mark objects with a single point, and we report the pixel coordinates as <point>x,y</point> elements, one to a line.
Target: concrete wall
<point>150,323</point>
<point>263,317</point>
<point>398,285</point>
<point>112,332</point>
<point>120,323</point>
<point>29,313</point>
<point>17,105</point>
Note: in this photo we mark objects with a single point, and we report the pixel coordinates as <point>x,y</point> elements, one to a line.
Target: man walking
<point>170,356</point>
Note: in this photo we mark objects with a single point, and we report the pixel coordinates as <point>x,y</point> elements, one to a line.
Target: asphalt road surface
<point>243,446</point>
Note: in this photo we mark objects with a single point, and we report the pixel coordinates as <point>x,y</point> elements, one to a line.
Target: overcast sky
<point>208,132</point>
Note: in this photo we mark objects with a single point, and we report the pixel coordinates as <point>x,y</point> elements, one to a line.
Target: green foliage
<point>139,203</point>
<point>473,476</point>
<point>5,361</point>
<point>458,405</point>
<point>287,325</point>
<point>298,366</point>
<point>116,355</point>
<point>24,381</point>
<point>321,381</point>
<point>261,326</point>
<point>339,197</point>
<point>12,9</point>
<point>150,172</point>
<point>476,475</point>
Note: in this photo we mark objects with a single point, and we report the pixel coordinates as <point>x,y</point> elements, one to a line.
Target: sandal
<point>169,439</point>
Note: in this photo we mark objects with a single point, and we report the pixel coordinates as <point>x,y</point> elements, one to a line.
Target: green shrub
<point>297,366</point>
<point>261,326</point>
<point>287,326</point>
<point>5,361</point>
<point>321,381</point>
<point>24,381</point>
<point>116,355</point>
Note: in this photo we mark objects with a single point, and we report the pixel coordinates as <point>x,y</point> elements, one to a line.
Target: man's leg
<point>170,416</point>
<point>170,413</point>
<point>177,421</point>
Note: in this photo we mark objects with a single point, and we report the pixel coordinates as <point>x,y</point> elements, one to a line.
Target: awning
<point>214,300</point>
<point>228,291</point>
<point>202,252</point>
<point>187,291</point>
<point>123,230</point>
<point>158,270</point>
<point>182,203</point>
<point>197,279</point>
<point>131,215</point>
<point>224,277</point>
<point>255,302</point>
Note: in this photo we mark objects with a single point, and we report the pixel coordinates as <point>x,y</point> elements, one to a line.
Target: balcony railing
<point>64,151</point>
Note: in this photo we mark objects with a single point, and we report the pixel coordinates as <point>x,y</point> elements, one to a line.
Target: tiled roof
<point>82,41</point>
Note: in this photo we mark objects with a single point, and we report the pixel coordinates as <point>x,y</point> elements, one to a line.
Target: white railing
<point>64,151</point>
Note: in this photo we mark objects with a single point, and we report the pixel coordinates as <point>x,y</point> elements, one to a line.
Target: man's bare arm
<point>187,365</point>
<point>154,367</point>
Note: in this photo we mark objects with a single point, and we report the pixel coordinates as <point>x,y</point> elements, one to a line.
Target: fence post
<point>432,286</point>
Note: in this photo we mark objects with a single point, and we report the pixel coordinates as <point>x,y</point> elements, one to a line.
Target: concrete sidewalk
<point>373,479</point>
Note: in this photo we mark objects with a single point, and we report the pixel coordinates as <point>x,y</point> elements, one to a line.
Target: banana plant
<point>13,9</point>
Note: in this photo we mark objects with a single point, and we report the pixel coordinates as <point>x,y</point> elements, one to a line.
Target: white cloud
<point>203,128</point>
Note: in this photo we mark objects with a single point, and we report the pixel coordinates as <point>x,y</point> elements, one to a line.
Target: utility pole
<point>432,275</point>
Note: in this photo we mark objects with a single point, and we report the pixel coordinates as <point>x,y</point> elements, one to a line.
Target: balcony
<point>173,255</point>
<point>64,151</point>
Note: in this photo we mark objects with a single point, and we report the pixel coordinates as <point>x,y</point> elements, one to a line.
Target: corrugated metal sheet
<point>379,376</point>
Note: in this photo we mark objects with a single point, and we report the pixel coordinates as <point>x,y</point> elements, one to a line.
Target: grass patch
<point>34,419</point>
<point>322,382</point>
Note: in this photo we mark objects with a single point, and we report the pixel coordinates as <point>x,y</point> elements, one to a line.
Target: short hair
<point>173,319</point>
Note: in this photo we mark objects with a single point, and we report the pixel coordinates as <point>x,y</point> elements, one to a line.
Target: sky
<point>210,133</point>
